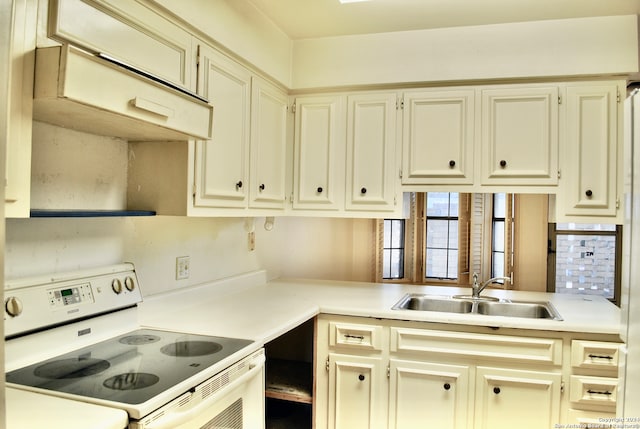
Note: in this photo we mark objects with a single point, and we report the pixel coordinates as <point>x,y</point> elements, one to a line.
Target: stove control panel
<point>40,302</point>
<point>70,295</point>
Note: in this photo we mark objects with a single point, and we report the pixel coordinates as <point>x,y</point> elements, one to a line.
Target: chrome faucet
<point>477,288</point>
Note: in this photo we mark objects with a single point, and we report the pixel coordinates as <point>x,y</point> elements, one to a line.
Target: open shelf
<point>289,380</point>
<point>89,213</point>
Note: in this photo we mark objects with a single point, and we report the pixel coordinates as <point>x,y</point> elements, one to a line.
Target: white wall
<point>569,47</point>
<point>72,169</point>
<point>334,249</point>
<point>241,28</point>
<point>217,247</point>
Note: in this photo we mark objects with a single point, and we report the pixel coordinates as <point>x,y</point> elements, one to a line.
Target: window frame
<point>551,258</point>
<point>415,244</point>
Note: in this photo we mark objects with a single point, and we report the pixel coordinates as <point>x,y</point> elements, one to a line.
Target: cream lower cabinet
<point>398,375</point>
<point>357,392</point>
<point>433,395</point>
<point>507,398</point>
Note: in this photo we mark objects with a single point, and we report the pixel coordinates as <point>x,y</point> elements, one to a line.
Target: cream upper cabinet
<point>444,387</point>
<point>519,134</point>
<point>268,145</point>
<point>357,392</point>
<point>18,138</point>
<point>372,172</point>
<point>222,163</point>
<point>127,31</point>
<point>319,148</point>
<point>505,396</point>
<point>438,137</point>
<point>591,150</point>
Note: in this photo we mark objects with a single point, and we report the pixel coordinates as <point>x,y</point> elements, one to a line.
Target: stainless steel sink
<point>531,310</point>
<point>432,303</point>
<point>487,307</point>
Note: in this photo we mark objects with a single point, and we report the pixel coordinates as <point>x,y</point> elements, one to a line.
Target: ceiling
<point>301,19</point>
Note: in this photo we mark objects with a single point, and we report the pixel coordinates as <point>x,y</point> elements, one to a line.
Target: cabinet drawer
<point>595,355</point>
<point>353,336</point>
<point>591,419</point>
<point>129,31</point>
<point>78,90</point>
<point>593,392</point>
<point>494,347</point>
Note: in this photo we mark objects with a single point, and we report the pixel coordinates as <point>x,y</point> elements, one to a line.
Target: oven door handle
<point>176,419</point>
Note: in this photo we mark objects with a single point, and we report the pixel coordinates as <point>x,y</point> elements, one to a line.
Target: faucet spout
<point>477,288</point>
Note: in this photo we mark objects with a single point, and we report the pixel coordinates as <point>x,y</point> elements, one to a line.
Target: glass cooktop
<point>131,368</point>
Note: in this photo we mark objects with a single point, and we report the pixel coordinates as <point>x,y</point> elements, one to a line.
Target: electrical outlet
<point>182,267</point>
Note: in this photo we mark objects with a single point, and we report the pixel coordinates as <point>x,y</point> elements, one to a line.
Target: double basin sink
<point>488,306</point>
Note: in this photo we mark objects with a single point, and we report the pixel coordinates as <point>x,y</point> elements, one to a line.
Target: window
<point>441,250</point>
<point>502,235</point>
<point>429,247</point>
<point>393,249</point>
<point>585,259</point>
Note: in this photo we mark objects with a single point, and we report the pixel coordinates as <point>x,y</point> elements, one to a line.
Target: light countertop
<point>264,311</point>
<point>249,307</point>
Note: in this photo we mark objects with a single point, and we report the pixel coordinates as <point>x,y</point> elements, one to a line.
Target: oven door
<point>238,405</point>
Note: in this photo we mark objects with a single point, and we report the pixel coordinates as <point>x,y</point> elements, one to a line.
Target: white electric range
<point>77,336</point>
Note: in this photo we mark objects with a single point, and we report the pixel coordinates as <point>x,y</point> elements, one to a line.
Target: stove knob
<point>129,283</point>
<point>116,285</point>
<point>13,306</point>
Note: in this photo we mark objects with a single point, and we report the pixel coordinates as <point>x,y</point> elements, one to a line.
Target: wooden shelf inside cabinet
<point>289,381</point>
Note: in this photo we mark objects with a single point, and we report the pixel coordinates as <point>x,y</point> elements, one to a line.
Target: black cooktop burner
<point>138,340</point>
<point>191,348</point>
<point>131,381</point>
<point>71,368</point>
<point>131,368</point>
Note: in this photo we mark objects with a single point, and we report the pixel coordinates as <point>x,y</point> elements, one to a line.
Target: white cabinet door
<point>129,32</point>
<point>519,132</point>
<point>18,138</point>
<point>438,137</point>
<point>590,164</point>
<point>318,166</point>
<point>429,395</point>
<point>372,173</point>
<point>357,398</point>
<point>506,398</point>
<point>268,145</point>
<point>222,163</point>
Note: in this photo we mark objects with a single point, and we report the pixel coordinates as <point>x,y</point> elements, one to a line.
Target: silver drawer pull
<point>592,356</point>
<point>354,337</point>
<point>596,392</point>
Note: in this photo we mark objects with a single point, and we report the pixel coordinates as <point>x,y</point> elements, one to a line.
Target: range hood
<point>76,89</point>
